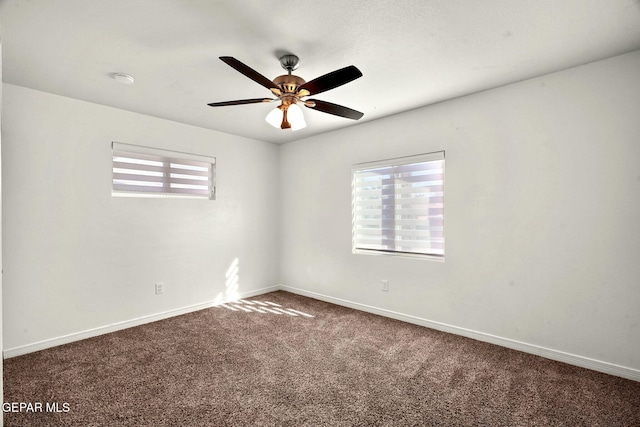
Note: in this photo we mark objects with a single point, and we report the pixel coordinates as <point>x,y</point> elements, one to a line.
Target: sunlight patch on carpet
<point>264,307</point>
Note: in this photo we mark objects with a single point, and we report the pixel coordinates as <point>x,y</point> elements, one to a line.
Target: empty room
<point>298,213</point>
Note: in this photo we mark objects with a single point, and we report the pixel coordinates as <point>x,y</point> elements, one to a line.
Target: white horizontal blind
<point>398,205</point>
<point>158,172</point>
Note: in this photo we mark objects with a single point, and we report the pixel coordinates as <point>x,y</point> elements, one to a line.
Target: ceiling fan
<point>290,91</point>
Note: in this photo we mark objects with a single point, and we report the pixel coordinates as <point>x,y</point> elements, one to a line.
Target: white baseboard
<point>89,333</point>
<point>571,359</point>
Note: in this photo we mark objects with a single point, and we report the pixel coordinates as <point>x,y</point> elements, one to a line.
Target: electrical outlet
<point>159,288</point>
<point>385,286</point>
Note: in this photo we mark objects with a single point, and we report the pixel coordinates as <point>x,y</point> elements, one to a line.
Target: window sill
<point>158,196</point>
<point>437,258</point>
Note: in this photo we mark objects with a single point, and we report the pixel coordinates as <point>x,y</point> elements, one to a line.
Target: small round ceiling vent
<point>124,79</point>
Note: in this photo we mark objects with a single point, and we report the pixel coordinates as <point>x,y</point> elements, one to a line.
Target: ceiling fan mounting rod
<point>289,62</point>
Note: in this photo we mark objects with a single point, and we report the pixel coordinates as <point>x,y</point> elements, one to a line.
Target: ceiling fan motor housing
<point>288,83</point>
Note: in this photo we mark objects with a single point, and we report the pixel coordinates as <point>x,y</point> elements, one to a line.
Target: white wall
<point>1,362</point>
<point>542,213</point>
<point>77,258</point>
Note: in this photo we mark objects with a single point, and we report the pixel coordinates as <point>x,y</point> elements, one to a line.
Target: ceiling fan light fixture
<point>290,90</point>
<point>286,117</point>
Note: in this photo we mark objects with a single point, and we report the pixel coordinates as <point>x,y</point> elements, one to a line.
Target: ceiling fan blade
<point>335,109</point>
<point>332,80</point>
<point>240,102</point>
<point>248,71</point>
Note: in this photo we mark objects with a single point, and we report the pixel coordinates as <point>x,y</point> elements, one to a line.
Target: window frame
<point>396,162</point>
<point>168,157</point>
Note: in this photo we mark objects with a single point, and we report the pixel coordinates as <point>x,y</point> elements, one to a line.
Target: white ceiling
<point>411,52</point>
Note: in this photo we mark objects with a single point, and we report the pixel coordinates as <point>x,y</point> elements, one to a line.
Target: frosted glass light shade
<point>274,118</point>
<point>295,117</point>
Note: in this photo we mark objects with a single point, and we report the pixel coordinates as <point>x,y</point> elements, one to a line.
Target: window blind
<point>158,172</point>
<point>398,205</point>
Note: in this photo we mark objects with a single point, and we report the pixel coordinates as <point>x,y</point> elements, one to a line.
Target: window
<point>144,171</point>
<point>398,206</point>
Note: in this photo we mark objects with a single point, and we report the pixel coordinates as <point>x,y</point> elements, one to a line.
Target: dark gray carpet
<point>258,364</point>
